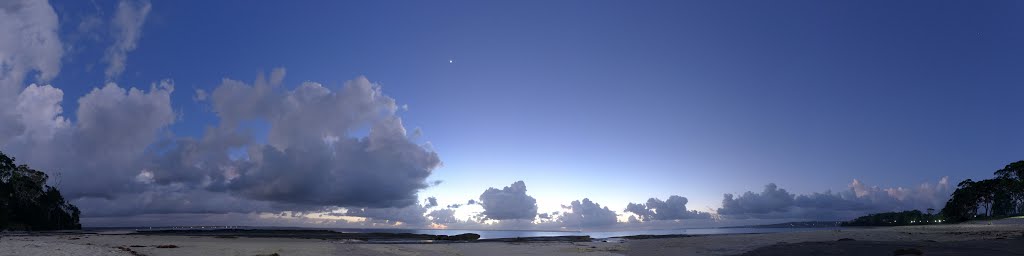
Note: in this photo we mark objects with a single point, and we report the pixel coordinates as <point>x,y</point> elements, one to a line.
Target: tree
<point>26,202</point>
<point>1013,170</point>
<point>1014,182</point>
<point>963,204</point>
<point>1000,196</point>
<point>994,196</point>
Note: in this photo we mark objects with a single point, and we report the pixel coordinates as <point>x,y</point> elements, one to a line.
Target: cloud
<point>134,166</point>
<point>443,216</point>
<point>200,95</point>
<point>305,166</point>
<point>772,199</point>
<point>923,196</point>
<point>587,214</point>
<point>312,158</point>
<point>860,199</point>
<point>431,202</point>
<point>235,101</point>
<point>546,216</point>
<point>30,44</point>
<point>114,128</point>
<point>128,21</point>
<point>672,209</point>
<point>39,111</point>
<point>412,215</point>
<point>105,146</point>
<point>508,203</point>
<point>114,125</point>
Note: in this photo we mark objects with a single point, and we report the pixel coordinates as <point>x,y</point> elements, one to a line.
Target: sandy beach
<point>995,238</point>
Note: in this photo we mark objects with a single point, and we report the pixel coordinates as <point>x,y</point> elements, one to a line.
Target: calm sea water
<point>488,234</point>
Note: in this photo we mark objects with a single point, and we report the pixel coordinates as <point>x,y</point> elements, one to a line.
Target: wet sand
<point>959,239</point>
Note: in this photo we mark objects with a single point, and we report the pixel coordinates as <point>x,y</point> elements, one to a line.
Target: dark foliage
<point>27,203</point>
<point>999,196</point>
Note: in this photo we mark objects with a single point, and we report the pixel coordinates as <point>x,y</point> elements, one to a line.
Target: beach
<point>988,238</point>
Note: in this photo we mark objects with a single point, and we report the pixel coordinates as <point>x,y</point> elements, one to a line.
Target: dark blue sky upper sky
<point>622,100</point>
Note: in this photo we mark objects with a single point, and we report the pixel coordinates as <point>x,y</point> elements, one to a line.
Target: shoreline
<point>988,239</point>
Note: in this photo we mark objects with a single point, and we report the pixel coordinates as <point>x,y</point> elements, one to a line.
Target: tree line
<point>27,203</point>
<point>903,218</point>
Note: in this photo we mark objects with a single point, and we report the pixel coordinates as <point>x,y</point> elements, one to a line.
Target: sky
<point>547,115</point>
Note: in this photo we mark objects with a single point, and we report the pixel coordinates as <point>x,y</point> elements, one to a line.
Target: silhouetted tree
<point>1014,170</point>
<point>1000,196</point>
<point>26,202</point>
<point>963,204</point>
<point>1014,175</point>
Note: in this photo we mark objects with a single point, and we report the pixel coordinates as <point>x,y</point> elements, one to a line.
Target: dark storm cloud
<point>508,203</point>
<point>119,144</point>
<point>587,214</point>
<point>860,199</point>
<point>431,202</point>
<point>311,159</point>
<point>672,209</point>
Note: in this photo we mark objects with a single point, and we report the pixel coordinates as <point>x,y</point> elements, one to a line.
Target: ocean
<point>489,234</point>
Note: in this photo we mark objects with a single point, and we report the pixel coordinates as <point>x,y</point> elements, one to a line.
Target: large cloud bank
<point>311,160</point>
<point>774,202</point>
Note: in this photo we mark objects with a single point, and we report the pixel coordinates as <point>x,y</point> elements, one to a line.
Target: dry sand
<point>983,238</point>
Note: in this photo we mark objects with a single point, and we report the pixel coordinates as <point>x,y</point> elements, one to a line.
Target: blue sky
<point>616,101</point>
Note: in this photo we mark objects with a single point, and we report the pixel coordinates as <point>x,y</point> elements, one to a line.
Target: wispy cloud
<point>127,30</point>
